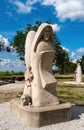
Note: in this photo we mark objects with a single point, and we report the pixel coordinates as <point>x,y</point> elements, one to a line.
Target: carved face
<point>47,33</point>
<point>23,98</point>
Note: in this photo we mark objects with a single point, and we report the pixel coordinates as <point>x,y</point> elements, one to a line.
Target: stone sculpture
<point>39,105</point>
<point>40,84</point>
<point>78,74</point>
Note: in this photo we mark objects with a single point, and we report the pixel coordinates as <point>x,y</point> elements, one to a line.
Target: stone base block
<point>41,116</point>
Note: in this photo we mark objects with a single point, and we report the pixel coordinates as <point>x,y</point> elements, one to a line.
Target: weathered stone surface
<point>40,84</point>
<point>39,105</point>
<point>41,116</point>
<point>78,74</point>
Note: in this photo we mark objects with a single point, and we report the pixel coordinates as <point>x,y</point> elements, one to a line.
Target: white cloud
<point>64,9</point>
<point>4,62</point>
<point>4,40</point>
<point>74,60</point>
<point>80,50</point>
<point>71,9</point>
<point>73,54</point>
<point>9,65</point>
<point>73,57</point>
<point>24,7</point>
<point>66,49</point>
<point>5,43</point>
<point>55,27</point>
<point>31,2</point>
<point>1,38</point>
<point>49,2</point>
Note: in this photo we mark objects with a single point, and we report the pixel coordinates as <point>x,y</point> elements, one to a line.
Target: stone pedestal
<point>41,116</point>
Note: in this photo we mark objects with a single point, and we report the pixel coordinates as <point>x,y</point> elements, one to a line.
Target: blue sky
<point>67,17</point>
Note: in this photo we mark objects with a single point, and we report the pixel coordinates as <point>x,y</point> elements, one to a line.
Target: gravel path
<point>9,122</point>
<point>12,85</point>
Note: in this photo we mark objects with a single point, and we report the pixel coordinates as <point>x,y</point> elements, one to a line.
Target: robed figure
<point>40,84</point>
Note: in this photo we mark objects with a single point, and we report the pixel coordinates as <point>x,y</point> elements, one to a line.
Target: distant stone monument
<point>39,104</point>
<point>78,78</point>
<point>78,74</point>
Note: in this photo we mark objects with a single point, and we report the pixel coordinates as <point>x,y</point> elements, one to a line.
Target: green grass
<point>63,85</point>
<point>70,95</point>
<point>7,73</point>
<point>60,76</point>
<point>69,77</point>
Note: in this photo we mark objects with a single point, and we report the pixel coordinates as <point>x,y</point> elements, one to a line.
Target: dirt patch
<point>8,94</point>
<point>73,94</point>
<point>78,90</point>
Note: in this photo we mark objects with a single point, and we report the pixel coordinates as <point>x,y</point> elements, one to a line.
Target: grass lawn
<point>65,92</point>
<point>73,93</point>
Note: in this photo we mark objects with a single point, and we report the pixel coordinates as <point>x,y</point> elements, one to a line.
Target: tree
<point>5,48</point>
<point>61,59</point>
<point>1,46</point>
<point>19,39</point>
<point>72,67</point>
<point>8,49</point>
<point>82,63</point>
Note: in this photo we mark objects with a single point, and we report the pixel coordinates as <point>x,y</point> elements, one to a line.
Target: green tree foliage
<point>8,49</point>
<point>5,48</point>
<point>19,41</point>
<point>82,63</point>
<point>1,46</point>
<point>72,67</point>
<point>61,59</point>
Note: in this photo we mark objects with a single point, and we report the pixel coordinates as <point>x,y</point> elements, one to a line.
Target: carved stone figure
<point>28,73</point>
<point>39,105</point>
<point>40,83</point>
<point>25,100</point>
<point>78,73</point>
